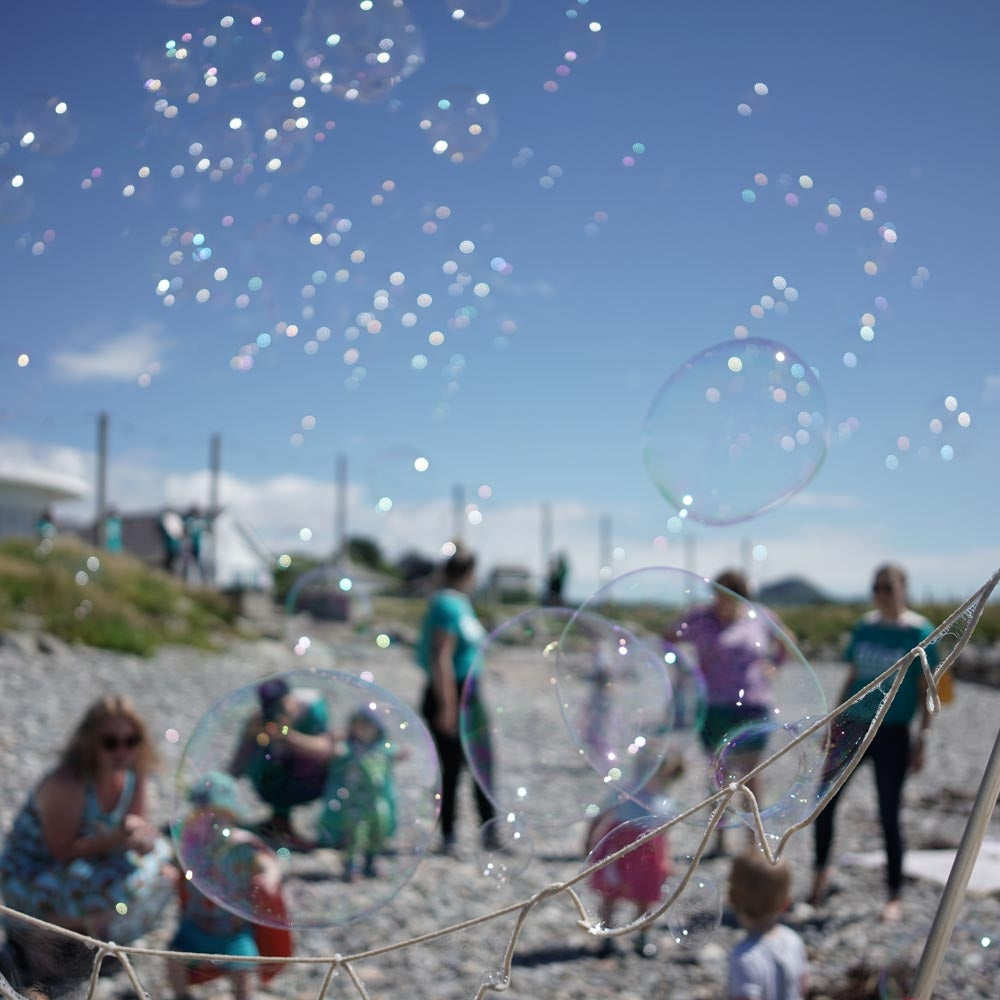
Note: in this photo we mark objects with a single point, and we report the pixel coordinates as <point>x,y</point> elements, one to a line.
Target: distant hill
<point>793,590</point>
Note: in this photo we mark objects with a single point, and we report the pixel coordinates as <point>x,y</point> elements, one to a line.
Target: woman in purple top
<point>737,654</point>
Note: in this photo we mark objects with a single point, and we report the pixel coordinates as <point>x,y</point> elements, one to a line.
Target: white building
<point>26,492</point>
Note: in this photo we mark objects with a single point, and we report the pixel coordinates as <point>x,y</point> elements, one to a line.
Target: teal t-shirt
<point>876,645</point>
<point>452,611</point>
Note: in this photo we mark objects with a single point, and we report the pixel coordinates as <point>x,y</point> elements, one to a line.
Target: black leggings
<point>890,753</point>
<point>452,759</point>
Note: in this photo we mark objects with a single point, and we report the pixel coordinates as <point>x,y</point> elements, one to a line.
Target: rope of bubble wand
<point>973,608</point>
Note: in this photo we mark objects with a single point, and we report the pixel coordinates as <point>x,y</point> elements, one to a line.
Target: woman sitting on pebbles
<point>81,853</point>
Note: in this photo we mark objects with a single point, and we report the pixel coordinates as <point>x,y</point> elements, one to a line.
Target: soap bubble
<point>319,600</point>
<point>366,817</point>
<point>615,695</point>
<point>478,13</point>
<point>735,430</point>
<point>504,849</point>
<point>694,917</point>
<point>460,124</point>
<point>758,688</point>
<point>549,775</point>
<point>360,51</point>
<point>621,892</point>
<point>41,124</point>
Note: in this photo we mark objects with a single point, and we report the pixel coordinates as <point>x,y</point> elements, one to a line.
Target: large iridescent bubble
<point>537,769</point>
<point>735,430</point>
<point>359,52</point>
<point>327,780</point>
<point>759,691</point>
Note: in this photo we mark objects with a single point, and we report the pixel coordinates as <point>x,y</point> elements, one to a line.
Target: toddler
<point>636,877</point>
<point>770,962</point>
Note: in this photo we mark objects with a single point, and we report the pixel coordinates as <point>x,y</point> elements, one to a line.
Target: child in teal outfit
<point>360,811</point>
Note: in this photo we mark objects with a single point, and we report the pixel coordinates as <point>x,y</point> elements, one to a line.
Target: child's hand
<point>267,880</point>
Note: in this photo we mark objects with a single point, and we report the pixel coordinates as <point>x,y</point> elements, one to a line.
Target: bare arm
<point>443,646</point>
<point>60,801</point>
<point>321,747</point>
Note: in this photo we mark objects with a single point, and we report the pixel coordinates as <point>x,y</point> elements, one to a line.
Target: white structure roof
<point>54,485</point>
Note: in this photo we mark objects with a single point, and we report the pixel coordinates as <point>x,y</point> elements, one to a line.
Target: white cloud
<point>123,356</point>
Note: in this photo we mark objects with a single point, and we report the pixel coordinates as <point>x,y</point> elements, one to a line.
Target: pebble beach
<point>45,685</point>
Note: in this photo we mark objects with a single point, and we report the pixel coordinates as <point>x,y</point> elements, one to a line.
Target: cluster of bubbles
<point>946,423</point>
<point>460,124</point>
<point>592,227</point>
<point>41,127</point>
<point>777,300</point>
<point>360,52</point>
<point>755,419</point>
<point>629,159</point>
<point>744,109</point>
<point>581,41</point>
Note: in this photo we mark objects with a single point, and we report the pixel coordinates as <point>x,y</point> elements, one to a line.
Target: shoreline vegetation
<point>78,595</point>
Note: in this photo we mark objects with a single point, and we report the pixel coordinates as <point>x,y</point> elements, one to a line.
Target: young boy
<point>770,962</point>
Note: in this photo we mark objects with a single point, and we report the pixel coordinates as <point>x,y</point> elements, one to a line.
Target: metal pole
<point>102,478</point>
<point>458,512</point>
<point>546,536</point>
<point>214,466</point>
<point>954,892</point>
<point>340,512</point>
<point>605,570</point>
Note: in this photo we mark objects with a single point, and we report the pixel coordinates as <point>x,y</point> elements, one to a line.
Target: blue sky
<point>597,279</point>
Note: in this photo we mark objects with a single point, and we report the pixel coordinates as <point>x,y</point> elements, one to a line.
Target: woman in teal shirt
<point>882,637</point>
<point>449,641</point>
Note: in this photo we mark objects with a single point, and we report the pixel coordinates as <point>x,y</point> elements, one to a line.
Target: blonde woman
<point>82,853</point>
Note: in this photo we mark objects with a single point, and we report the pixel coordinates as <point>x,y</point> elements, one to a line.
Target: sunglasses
<point>112,743</point>
<point>882,588</point>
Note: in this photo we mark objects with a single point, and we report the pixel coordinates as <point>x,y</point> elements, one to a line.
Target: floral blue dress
<point>120,892</point>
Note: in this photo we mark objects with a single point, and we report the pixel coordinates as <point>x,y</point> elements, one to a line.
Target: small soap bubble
<point>732,458</point>
<point>695,916</point>
<point>504,848</point>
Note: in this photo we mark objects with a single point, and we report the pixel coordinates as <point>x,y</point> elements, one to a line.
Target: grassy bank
<point>79,594</point>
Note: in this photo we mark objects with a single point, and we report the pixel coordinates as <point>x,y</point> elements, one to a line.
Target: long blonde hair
<point>79,756</point>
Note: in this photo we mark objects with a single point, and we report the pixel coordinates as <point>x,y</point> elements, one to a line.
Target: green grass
<point>118,603</point>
